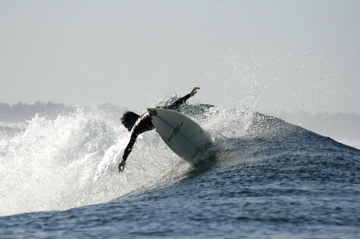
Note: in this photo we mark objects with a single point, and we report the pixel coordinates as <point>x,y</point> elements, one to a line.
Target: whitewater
<point>262,178</point>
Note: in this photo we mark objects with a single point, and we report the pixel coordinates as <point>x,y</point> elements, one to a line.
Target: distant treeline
<point>21,111</point>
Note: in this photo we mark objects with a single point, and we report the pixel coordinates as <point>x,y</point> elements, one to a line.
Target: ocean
<point>262,178</point>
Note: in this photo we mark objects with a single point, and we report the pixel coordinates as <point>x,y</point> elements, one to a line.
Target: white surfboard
<point>184,136</point>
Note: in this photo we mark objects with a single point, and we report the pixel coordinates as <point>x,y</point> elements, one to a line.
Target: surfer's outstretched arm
<point>182,100</point>
<point>127,151</point>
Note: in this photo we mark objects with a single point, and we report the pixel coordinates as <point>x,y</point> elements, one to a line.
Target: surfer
<point>139,124</point>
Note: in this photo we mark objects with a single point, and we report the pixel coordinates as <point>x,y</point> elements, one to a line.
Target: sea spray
<point>71,161</point>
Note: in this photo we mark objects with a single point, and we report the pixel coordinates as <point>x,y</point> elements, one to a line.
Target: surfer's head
<point>128,119</point>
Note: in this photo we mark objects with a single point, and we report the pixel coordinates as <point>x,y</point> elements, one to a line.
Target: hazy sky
<point>271,55</point>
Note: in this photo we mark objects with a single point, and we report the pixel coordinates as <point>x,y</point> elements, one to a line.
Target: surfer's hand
<point>122,166</point>
<point>194,91</point>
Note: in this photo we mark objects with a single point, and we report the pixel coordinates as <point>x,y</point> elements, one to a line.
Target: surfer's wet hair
<point>128,119</point>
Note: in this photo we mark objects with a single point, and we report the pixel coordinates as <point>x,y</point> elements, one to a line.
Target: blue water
<point>263,178</point>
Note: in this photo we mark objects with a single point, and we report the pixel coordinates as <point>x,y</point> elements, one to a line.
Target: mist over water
<point>292,81</point>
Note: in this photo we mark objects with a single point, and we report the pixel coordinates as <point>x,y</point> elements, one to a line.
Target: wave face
<point>260,171</point>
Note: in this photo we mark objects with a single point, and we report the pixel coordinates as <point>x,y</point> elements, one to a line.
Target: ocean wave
<point>71,160</point>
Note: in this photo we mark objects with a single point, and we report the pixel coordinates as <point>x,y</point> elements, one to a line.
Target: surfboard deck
<point>183,135</point>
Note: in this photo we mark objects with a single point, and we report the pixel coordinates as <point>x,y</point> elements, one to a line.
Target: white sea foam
<point>72,161</point>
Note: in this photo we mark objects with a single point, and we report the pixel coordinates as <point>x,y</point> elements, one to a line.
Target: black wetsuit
<point>143,124</point>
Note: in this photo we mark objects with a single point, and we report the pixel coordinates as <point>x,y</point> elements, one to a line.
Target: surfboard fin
<point>152,112</point>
